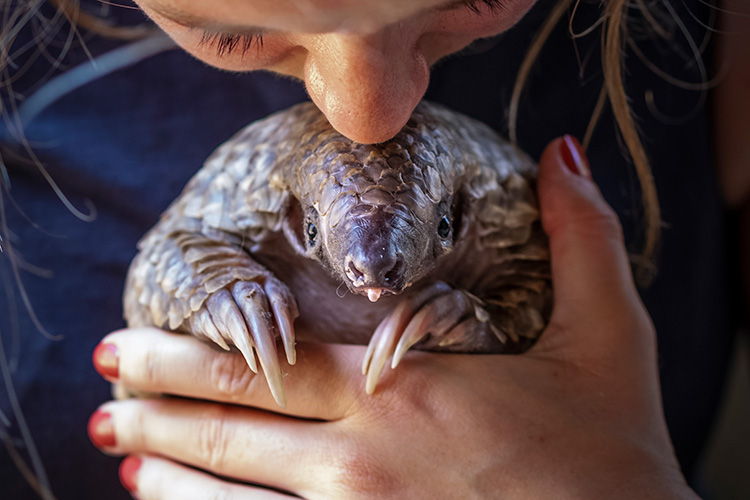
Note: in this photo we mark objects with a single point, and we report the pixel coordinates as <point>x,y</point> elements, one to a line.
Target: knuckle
<point>213,436</point>
<point>600,224</point>
<point>151,369</point>
<point>587,211</point>
<point>356,471</point>
<point>134,426</point>
<point>608,221</point>
<point>399,399</point>
<point>231,376</point>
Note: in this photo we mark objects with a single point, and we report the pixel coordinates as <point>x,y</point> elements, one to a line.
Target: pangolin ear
<point>292,225</point>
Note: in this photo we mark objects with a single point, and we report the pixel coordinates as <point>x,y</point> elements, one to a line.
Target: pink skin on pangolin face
<point>365,63</point>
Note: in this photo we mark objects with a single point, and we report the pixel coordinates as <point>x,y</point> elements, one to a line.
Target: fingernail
<point>574,157</point>
<point>101,430</point>
<point>129,472</point>
<point>107,360</point>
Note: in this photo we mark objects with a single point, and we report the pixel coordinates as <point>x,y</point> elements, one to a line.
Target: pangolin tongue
<point>374,294</point>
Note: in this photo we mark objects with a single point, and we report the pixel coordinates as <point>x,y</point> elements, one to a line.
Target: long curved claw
<point>380,347</point>
<point>371,348</point>
<point>374,341</point>
<point>418,327</point>
<point>228,319</point>
<point>285,311</point>
<point>251,299</point>
<point>384,339</point>
<point>201,323</point>
<point>438,317</point>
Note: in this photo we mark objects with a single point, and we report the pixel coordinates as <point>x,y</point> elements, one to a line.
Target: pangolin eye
<point>312,234</point>
<point>444,228</point>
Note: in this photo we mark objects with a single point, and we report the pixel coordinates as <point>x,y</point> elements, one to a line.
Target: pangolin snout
<point>376,250</point>
<point>374,270</point>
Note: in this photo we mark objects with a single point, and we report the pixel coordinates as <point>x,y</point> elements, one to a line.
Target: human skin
<point>365,64</point>
<point>578,416</point>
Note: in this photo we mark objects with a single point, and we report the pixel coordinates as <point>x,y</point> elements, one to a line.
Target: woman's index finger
<point>321,385</point>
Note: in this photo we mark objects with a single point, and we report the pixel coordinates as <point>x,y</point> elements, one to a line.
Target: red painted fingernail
<point>101,430</point>
<point>129,472</point>
<point>574,157</point>
<point>107,360</point>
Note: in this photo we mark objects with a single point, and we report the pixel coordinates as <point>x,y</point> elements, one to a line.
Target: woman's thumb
<point>591,275</point>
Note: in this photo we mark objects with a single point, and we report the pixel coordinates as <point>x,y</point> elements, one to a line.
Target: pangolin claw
<point>252,301</point>
<point>436,318</point>
<point>229,320</point>
<point>202,323</point>
<point>378,350</point>
<point>243,315</point>
<point>285,311</point>
<point>388,332</point>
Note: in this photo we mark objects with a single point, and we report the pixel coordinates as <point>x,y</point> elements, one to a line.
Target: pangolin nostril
<point>356,273</point>
<point>394,274</point>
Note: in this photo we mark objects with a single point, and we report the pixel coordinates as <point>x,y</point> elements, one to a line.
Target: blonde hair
<point>614,33</point>
<point>13,20</point>
<point>73,13</point>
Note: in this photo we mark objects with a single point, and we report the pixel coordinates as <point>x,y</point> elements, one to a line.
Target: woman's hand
<point>578,416</point>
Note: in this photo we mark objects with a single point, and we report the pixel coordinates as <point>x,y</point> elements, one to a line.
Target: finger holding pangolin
<point>154,361</point>
<point>232,441</point>
<point>154,478</point>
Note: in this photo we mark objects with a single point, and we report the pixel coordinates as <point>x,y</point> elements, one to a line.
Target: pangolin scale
<point>431,239</point>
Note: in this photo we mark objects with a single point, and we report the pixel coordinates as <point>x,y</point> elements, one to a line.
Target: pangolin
<point>290,230</point>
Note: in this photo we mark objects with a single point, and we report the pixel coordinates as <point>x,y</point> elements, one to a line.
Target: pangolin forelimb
<point>436,318</point>
<point>248,315</point>
<point>386,335</point>
<point>216,291</point>
<point>439,316</point>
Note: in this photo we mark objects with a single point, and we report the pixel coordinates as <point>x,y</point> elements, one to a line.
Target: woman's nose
<point>367,85</point>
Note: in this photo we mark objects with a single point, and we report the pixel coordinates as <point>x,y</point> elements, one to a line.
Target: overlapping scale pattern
<point>242,197</point>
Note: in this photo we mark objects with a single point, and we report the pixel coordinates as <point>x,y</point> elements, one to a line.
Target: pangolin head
<point>377,216</point>
<point>381,249</point>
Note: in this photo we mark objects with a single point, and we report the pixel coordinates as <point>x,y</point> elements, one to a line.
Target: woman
<point>579,415</point>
